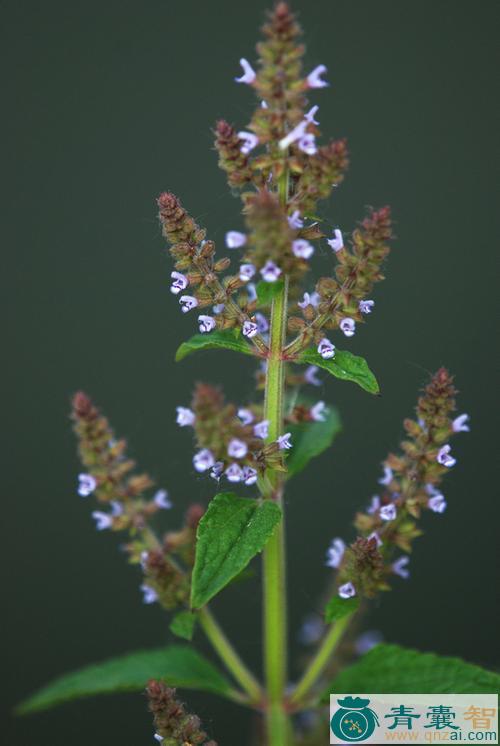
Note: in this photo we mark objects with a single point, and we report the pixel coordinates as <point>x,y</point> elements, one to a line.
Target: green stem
<point>229,656</point>
<point>320,660</point>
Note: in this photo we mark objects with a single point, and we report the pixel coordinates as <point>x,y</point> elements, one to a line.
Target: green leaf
<point>394,669</point>
<point>310,439</point>
<point>232,531</point>
<point>344,365</point>
<point>177,665</point>
<point>267,290</point>
<point>227,340</point>
<point>337,608</point>
<point>183,625</point>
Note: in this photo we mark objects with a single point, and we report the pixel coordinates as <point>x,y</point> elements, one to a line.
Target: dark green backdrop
<point>106,104</point>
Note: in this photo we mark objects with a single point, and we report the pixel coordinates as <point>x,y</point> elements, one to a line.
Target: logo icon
<point>354,721</point>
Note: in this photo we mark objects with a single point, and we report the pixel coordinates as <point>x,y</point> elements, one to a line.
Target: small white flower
<point>86,484</point>
<point>347,590</point>
<point>249,73</point>
<point>399,567</point>
<point>295,134</point>
<point>309,117</point>
<point>337,242</point>
<point>318,412</point>
<point>261,429</point>
<point>185,416</point>
<point>284,441</point>
<point>262,323</point>
<point>158,738</point>
<point>206,323</point>
<point>302,248</point>
<point>307,144</point>
<point>374,505</point>
<point>310,376</point>
<point>218,308</point>
<point>366,306</point>
<point>378,540</point>
<point>150,595</point>
<point>295,221</point>
<point>270,271</point>
<point>103,520</point>
<point>187,302</point>
<point>247,271</point>
<point>234,473</point>
<point>235,239</point>
<point>180,282</point>
<point>308,300</point>
<point>162,500</point>
<point>251,291</point>
<point>326,349</point>
<point>249,329</point>
<point>245,415</point>
<point>335,553</point>
<point>348,326</point>
<point>314,78</point>
<point>203,460</point>
<point>216,470</point>
<point>250,141</point>
<point>388,476</point>
<point>249,475</point>
<point>445,458</point>
<point>437,503</point>
<point>237,448</point>
<point>459,424</point>
<point>388,512</point>
<point>264,105</point>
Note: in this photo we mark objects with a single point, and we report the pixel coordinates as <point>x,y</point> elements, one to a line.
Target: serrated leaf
<point>337,608</point>
<point>266,291</point>
<point>183,625</point>
<point>232,531</point>
<point>394,669</point>
<point>227,340</point>
<point>310,439</point>
<point>344,365</point>
<point>177,665</point>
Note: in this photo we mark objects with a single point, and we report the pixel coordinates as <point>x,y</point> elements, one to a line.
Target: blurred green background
<point>106,104</point>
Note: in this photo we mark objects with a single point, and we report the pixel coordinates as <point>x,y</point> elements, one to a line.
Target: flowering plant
<point>262,302</point>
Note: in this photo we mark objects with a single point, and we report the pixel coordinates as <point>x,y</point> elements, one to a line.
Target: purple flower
<point>234,473</point>
<point>318,412</point>
<point>326,349</point>
<point>144,559</point>
<point>335,553</point>
<point>399,567</point>
<point>378,540</point>
<point>310,376</point>
<point>203,460</point>
<point>347,590</point>
<point>459,424</point>
<point>388,512</point>
<point>295,134</point>
<point>250,141</point>
<point>295,221</point>
<point>158,737</point>
<point>216,470</point>
<point>310,299</point>
<point>348,326</point>
<point>116,508</point>
<point>185,416</point>
<point>366,306</point>
<point>162,500</point>
<point>237,448</point>
<point>445,458</point>
<point>307,144</point>
<point>206,323</point>
<point>367,641</point>
<point>261,429</point>
<point>262,323</point>
<point>284,441</point>
<point>302,248</point>
<point>251,292</point>
<point>247,271</point>
<point>249,475</point>
<point>337,242</point>
<point>103,520</point>
<point>249,329</point>
<point>374,505</point>
<point>311,630</point>
<point>86,484</point>
<point>150,595</point>
<point>388,476</point>
<point>180,282</point>
<point>436,502</point>
<point>314,77</point>
<point>218,308</point>
<point>270,271</point>
<point>249,73</point>
<point>264,105</point>
<point>309,117</point>
<point>235,239</point>
<point>245,415</point>
<point>187,302</point>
